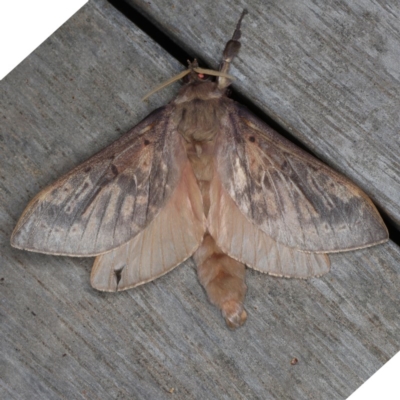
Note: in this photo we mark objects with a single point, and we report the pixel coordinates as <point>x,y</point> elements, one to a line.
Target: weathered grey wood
<point>62,339</point>
<point>327,71</point>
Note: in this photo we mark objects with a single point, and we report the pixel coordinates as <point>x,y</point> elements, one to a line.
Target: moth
<point>201,177</point>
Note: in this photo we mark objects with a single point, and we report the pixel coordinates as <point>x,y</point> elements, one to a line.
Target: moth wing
<point>289,195</point>
<point>245,242</point>
<point>173,236</point>
<point>108,199</point>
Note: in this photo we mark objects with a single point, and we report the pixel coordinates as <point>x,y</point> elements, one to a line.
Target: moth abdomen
<point>223,278</point>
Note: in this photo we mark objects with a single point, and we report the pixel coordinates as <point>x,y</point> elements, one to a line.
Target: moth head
<point>195,74</point>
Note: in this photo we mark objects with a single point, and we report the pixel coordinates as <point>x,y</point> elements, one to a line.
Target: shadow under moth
<point>201,177</point>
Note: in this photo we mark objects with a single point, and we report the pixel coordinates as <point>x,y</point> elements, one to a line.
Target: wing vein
<point>306,203</point>
<point>102,217</point>
<point>280,207</point>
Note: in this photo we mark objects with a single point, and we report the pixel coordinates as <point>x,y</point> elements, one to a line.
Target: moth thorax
<point>199,120</point>
<point>199,90</point>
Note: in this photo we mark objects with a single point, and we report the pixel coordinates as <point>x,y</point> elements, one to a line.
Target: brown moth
<point>201,177</point>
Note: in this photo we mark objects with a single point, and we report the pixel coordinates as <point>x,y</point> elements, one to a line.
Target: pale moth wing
<point>108,199</point>
<point>292,197</point>
<point>172,237</point>
<point>244,241</point>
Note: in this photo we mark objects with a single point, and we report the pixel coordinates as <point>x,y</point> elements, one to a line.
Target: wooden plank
<point>326,71</point>
<point>62,339</point>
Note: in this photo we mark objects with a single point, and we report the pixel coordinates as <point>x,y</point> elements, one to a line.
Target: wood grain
<point>64,340</point>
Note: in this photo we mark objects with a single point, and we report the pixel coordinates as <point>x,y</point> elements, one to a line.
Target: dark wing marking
<point>108,199</point>
<point>288,194</point>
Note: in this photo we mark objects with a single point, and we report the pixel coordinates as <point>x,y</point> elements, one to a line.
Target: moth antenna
<point>167,83</point>
<point>238,33</point>
<point>186,72</point>
<point>211,72</point>
<point>230,52</point>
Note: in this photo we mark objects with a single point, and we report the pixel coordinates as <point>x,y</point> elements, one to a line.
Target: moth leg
<point>223,278</point>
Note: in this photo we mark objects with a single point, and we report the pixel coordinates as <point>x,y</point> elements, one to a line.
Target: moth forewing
<point>292,197</point>
<point>110,198</point>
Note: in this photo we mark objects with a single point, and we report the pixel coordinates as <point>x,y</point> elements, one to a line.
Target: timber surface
<point>330,76</point>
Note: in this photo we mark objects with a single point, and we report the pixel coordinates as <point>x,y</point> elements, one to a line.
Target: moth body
<point>200,108</point>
